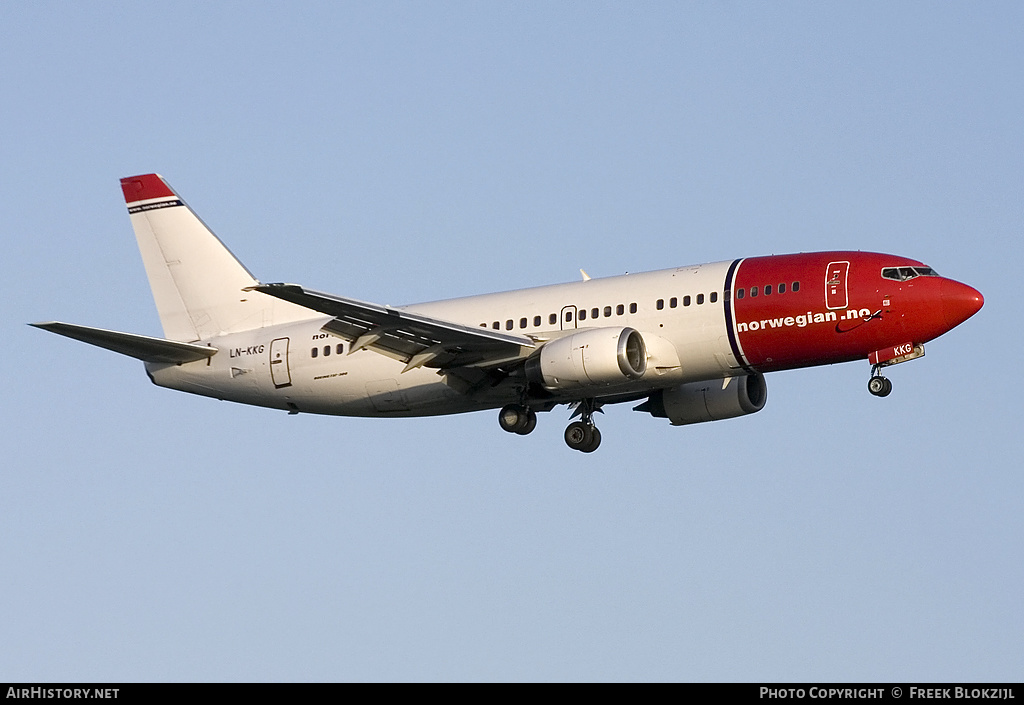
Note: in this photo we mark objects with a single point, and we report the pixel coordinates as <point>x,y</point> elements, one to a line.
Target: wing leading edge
<point>141,347</point>
<point>418,341</point>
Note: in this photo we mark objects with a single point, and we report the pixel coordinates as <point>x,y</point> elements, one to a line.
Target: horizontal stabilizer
<point>141,347</point>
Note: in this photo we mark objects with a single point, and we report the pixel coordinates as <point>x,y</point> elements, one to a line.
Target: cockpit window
<point>902,274</point>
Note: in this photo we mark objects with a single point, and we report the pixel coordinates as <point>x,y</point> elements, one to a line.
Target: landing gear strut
<point>516,418</point>
<point>583,435</point>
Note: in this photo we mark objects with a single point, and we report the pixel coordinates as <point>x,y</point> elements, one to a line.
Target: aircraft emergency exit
<point>691,344</point>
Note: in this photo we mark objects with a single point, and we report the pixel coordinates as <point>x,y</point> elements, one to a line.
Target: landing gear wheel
<point>531,423</point>
<point>582,436</point>
<point>579,435</point>
<point>880,386</point>
<point>516,418</point>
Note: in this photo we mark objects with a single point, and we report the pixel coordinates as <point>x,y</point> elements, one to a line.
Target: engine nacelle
<point>598,357</point>
<point>696,402</point>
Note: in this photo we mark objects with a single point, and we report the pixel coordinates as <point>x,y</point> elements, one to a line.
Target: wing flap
<point>141,347</point>
<point>418,341</point>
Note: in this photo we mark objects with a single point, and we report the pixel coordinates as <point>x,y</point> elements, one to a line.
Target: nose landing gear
<point>880,359</point>
<point>879,386</point>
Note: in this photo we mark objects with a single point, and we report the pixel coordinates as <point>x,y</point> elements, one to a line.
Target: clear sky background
<point>402,152</point>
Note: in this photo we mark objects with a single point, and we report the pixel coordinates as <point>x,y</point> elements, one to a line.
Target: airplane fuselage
<point>702,322</point>
<point>691,343</point>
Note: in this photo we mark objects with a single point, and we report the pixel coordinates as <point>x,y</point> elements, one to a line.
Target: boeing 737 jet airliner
<point>692,344</point>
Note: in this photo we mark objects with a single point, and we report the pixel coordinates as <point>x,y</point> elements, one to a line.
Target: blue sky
<point>402,152</point>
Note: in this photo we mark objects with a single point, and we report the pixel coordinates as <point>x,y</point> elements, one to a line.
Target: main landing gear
<point>583,435</point>
<point>580,435</point>
<point>516,418</point>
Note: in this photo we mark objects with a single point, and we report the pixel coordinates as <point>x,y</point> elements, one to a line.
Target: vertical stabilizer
<point>197,284</point>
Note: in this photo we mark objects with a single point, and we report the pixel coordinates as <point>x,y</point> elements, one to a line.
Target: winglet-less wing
<point>141,347</point>
<point>412,338</point>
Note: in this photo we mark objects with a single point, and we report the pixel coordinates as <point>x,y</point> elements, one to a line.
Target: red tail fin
<point>144,187</point>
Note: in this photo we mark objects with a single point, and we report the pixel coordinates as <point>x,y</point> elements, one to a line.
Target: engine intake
<point>592,358</point>
<point>697,402</point>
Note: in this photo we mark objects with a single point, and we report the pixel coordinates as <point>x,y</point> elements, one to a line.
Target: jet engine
<point>696,402</point>
<point>591,358</point>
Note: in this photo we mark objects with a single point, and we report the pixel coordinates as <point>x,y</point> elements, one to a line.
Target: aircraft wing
<point>414,339</point>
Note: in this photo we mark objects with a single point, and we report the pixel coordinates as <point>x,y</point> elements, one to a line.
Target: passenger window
<point>568,316</point>
<point>314,352</point>
<point>740,293</point>
<point>607,311</point>
<point>619,310</point>
<point>522,323</point>
<point>632,308</point>
<point>700,299</point>
<point>714,296</point>
<point>496,325</point>
<point>594,312</point>
<point>340,348</point>
<point>508,324</point>
<point>767,289</point>
<point>536,321</point>
<point>782,288</point>
<point>582,315</point>
<point>753,291</point>
<point>660,304</point>
<point>687,301</point>
<point>672,302</point>
<point>553,319</point>
<point>796,287</point>
<point>327,350</point>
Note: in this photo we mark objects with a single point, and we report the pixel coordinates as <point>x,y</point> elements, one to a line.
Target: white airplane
<point>692,343</point>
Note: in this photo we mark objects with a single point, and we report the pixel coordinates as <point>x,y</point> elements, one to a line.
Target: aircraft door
<point>279,371</point>
<point>568,317</point>
<point>836,295</point>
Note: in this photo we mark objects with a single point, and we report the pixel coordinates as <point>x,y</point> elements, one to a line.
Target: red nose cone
<point>960,302</point>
